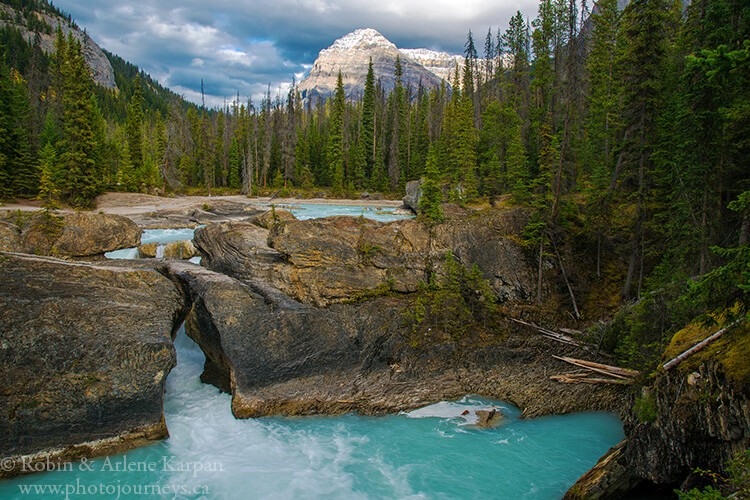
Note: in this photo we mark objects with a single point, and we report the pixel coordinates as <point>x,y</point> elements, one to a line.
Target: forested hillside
<point>626,132</point>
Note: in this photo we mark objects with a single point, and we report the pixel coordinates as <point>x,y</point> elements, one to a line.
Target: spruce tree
<point>16,174</point>
<point>48,177</point>
<point>336,137</point>
<point>134,126</point>
<point>80,152</point>
<point>431,196</point>
<point>367,129</point>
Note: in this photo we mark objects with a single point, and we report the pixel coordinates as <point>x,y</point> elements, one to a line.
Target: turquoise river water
<point>433,452</point>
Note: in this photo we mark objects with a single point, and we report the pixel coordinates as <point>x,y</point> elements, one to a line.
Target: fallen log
<point>557,339</point>
<point>570,331</point>
<point>697,347</point>
<point>570,380</point>
<point>549,333</point>
<point>608,369</point>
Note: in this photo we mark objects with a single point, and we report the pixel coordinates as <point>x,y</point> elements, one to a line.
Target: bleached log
<point>697,347</point>
<point>614,371</point>
<point>569,380</point>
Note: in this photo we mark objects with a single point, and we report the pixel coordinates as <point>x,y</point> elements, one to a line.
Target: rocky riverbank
<point>294,317</point>
<point>85,350</point>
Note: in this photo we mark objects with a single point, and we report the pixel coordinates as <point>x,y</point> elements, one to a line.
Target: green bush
<point>453,304</point>
<point>645,408</point>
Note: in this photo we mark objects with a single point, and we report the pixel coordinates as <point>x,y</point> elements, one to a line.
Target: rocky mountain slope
<point>351,55</point>
<point>101,69</point>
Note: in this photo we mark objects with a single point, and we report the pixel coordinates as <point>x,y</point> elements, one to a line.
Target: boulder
<point>10,237</point>
<point>271,218</point>
<point>148,250</point>
<point>85,351</point>
<point>89,234</point>
<point>609,478</point>
<point>77,234</point>
<point>413,191</point>
<point>238,249</point>
<point>183,249</point>
<point>488,419</point>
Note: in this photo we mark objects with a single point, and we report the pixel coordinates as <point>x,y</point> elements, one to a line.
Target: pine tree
<point>367,128</point>
<point>646,22</point>
<point>48,177</point>
<point>16,174</point>
<point>489,55</point>
<point>431,196</point>
<point>604,101</point>
<point>80,151</point>
<point>134,127</point>
<point>336,137</point>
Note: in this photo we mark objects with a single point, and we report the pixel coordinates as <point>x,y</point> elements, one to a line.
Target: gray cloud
<point>245,46</point>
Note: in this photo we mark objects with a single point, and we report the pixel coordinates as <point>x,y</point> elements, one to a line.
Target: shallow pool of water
<point>428,453</point>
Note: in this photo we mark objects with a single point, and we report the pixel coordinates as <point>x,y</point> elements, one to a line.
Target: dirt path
<point>134,203</point>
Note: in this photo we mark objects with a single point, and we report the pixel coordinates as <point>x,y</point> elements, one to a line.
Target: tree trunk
<point>539,281</point>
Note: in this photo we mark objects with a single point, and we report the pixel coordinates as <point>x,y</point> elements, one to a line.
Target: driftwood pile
<point>594,373</point>
<point>588,372</point>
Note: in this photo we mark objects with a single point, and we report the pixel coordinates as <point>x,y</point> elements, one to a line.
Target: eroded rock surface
<point>279,356</point>
<point>701,422</point>
<point>76,235</point>
<point>330,260</point>
<point>10,237</point>
<point>85,351</point>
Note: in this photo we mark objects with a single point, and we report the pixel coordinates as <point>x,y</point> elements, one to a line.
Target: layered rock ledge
<point>333,259</point>
<point>85,350</point>
<point>307,318</point>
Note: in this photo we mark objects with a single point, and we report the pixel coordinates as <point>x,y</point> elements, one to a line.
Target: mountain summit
<point>351,55</point>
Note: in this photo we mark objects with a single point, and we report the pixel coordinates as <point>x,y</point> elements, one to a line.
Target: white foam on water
<point>464,410</point>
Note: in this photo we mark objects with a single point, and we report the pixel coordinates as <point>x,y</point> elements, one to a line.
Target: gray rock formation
<point>101,69</point>
<point>85,351</point>
<point>351,55</point>
<point>10,237</point>
<point>701,420</point>
<point>278,356</point>
<point>76,235</point>
<point>694,420</point>
<point>413,192</point>
<point>324,261</point>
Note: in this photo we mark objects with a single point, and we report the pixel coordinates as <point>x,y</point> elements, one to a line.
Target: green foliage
<point>709,493</point>
<point>431,196</point>
<point>736,486</point>
<point>49,192</point>
<point>639,334</point>
<point>16,173</point>
<point>645,408</point>
<point>382,290</point>
<point>726,287</point>
<point>451,305</point>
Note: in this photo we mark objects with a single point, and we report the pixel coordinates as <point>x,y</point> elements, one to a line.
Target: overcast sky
<point>243,45</point>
